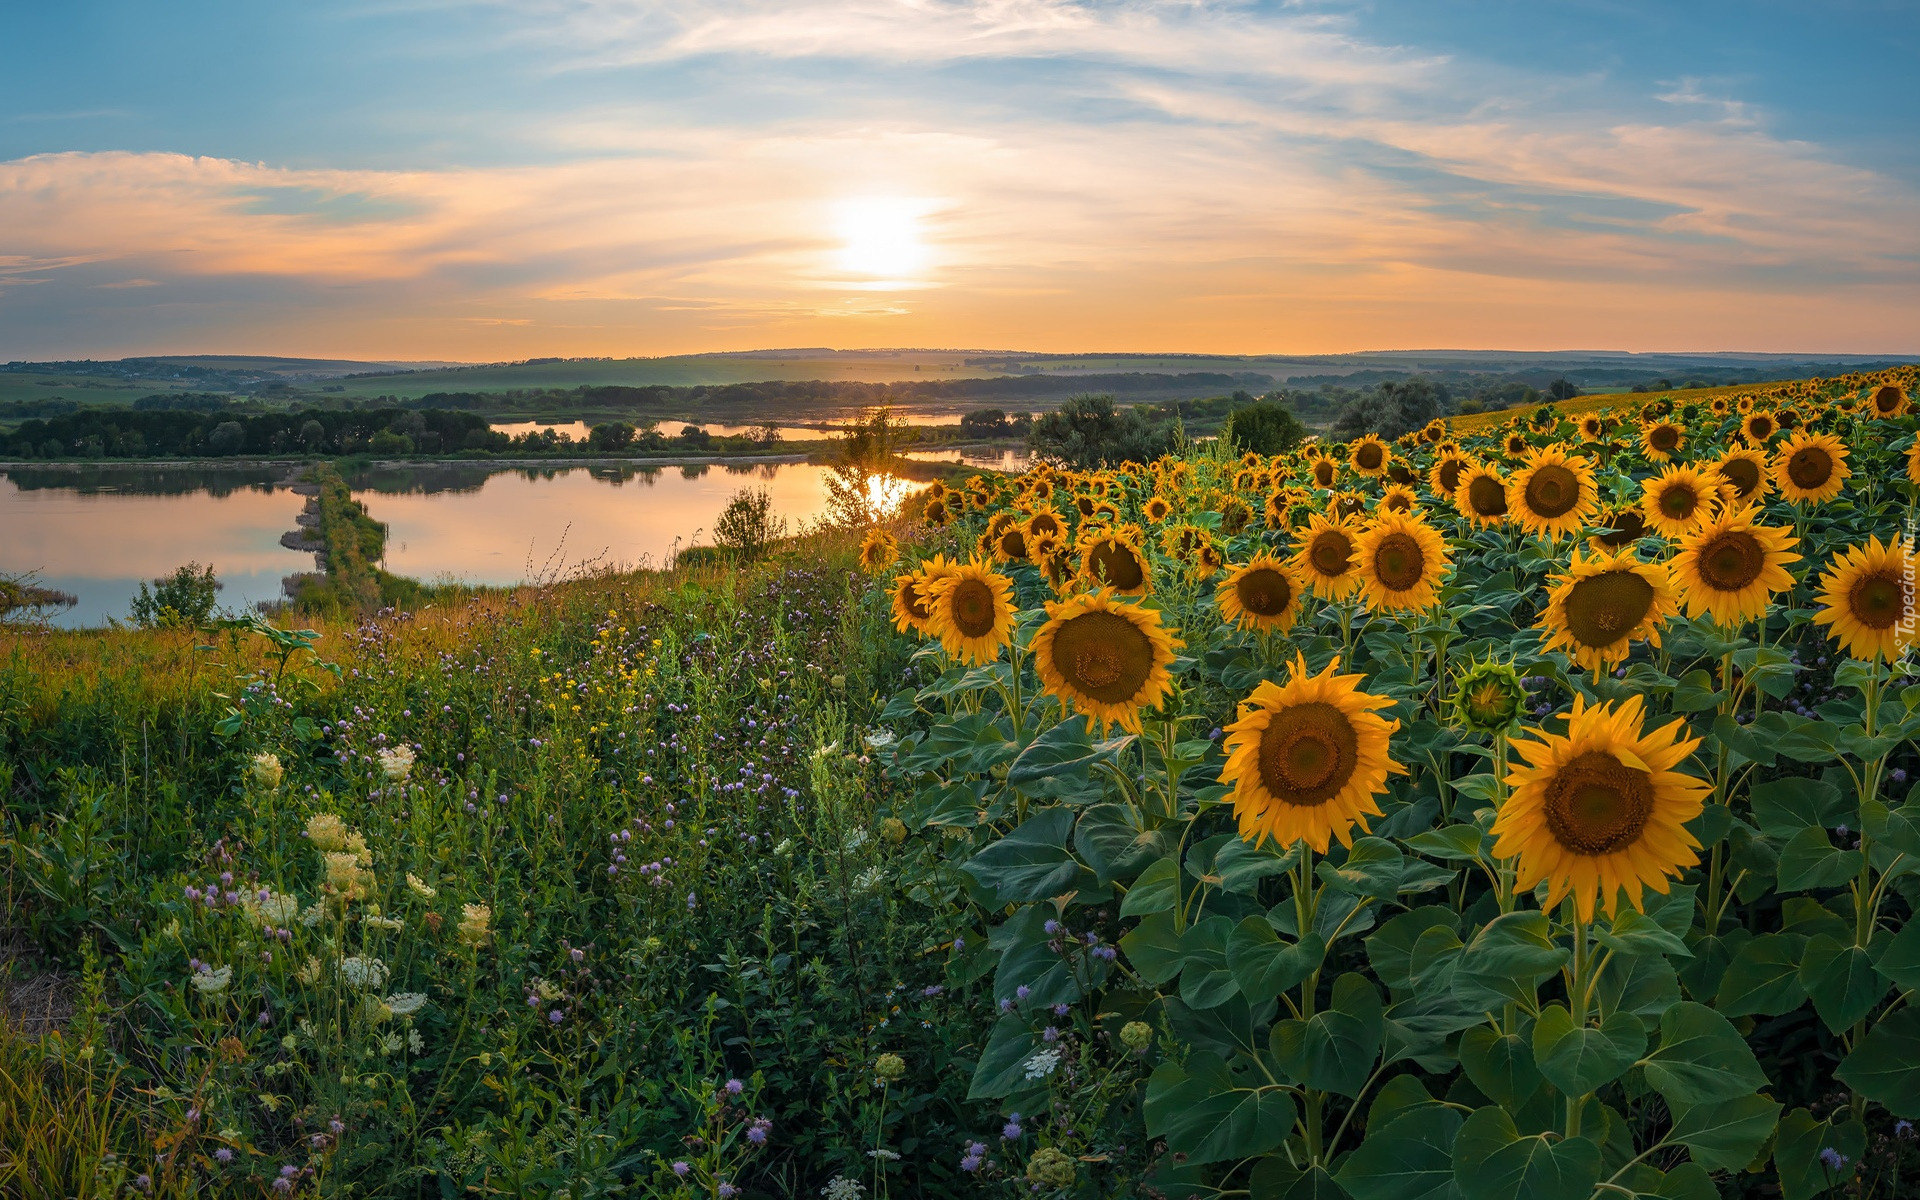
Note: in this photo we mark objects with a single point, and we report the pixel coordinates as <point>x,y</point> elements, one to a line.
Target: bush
<point>1391,410</point>
<point>1088,431</point>
<point>389,442</point>
<point>185,597</point>
<point>747,526</point>
<point>1264,428</point>
<point>614,435</point>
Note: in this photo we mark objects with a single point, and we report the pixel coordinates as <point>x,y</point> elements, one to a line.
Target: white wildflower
<point>884,1154</point>
<point>784,848</point>
<point>395,763</point>
<point>276,908</point>
<point>391,1044</point>
<point>547,990</point>
<point>415,1042</point>
<point>1042,1064</point>
<point>827,751</point>
<point>265,771</point>
<point>363,972</point>
<point>210,981</point>
<point>856,839</point>
<point>405,1004</point>
<point>419,888</point>
<point>383,922</point>
<point>869,879</point>
<point>880,739</point>
<point>313,914</point>
<point>842,1188</point>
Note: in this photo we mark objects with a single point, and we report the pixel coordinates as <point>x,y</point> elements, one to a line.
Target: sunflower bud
<point>1136,1036</point>
<point>889,1068</point>
<point>1488,698</point>
<point>1050,1168</point>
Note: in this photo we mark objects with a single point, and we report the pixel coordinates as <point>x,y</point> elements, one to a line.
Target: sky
<point>484,181</point>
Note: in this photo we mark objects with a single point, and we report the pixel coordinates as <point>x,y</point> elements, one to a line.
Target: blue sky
<point>494,180</point>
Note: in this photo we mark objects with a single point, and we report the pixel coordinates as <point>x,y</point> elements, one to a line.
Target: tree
<point>986,423</point>
<point>612,436</point>
<point>747,526</point>
<point>1394,408</point>
<point>767,433</point>
<point>695,437</point>
<point>1088,431</point>
<point>1562,389</point>
<point>1263,427</point>
<point>861,464</point>
<point>227,438</point>
<point>313,435</point>
<point>184,598</point>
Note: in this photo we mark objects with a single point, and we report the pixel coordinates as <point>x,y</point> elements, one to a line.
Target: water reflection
<point>100,531</point>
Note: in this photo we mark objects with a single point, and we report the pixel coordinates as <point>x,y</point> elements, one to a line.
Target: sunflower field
<point>1516,811</point>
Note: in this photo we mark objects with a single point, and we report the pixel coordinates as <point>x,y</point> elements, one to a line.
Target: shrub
<point>747,526</point>
<point>1264,428</point>
<point>184,598</point>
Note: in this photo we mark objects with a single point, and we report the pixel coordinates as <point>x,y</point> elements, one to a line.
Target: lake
<point>97,532</point>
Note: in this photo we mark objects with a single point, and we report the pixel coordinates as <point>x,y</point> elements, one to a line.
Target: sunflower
<point>970,609</point>
<point>1235,514</point>
<point>1347,504</point>
<point>1744,471</point>
<point>1720,406</point>
<point>1399,472</point>
<point>1181,541</point>
<point>1913,463</point>
<point>1401,561</point>
<point>1811,467</point>
<point>1758,427</point>
<point>1744,404</point>
<point>1434,430</point>
<point>1887,400</point>
<point>1680,500</point>
<point>1787,416</point>
<point>1488,697</point>
<point>910,611</point>
<point>1445,476</point>
<point>1601,811</point>
<point>1105,658</point>
<point>1328,557</point>
<point>1157,509</point>
<point>1207,560</point>
<point>1109,560</point>
<point>1011,545</point>
<point>1264,594</point>
<point>1399,499</point>
<point>878,551</point>
<point>1045,523</point>
<point>1730,568</point>
<point>1324,472</point>
<point>1369,455</point>
<point>1592,427</point>
<point>1278,502</point>
<point>1864,596</point>
<point>1600,606</point>
<point>998,524</point>
<point>1553,493</point>
<point>1661,439</point>
<point>1516,445</point>
<point>937,514</point>
<point>1307,757</point>
<point>1482,495</point>
<point>1623,526</point>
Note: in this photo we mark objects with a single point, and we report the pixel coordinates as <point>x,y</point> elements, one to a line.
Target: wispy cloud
<point>1219,175</point>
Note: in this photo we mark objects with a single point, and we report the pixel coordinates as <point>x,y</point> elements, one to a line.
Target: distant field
<point>682,371</point>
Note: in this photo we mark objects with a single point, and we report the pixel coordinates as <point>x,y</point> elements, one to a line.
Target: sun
<point>881,240</point>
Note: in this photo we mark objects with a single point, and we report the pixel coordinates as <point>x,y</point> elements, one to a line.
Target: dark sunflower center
<point>1450,475</point>
<point>1552,491</point>
<point>1627,526</point>
<point>911,601</point>
<point>1116,563</point>
<point>1331,553</point>
<point>1156,509</point>
<point>1308,752</point>
<point>1678,500</point>
<point>1368,456</point>
<point>1886,399</point>
<point>1264,592</point>
<point>973,608</point>
<point>1104,656</point>
<point>1399,474</point>
<point>1516,444</point>
<point>1810,467</point>
<point>1234,516</point>
<point>1664,437</point>
<point>1788,419</point>
<point>1596,804</point>
<point>1602,608</point>
<point>1874,600</point>
<point>1323,472</point>
<point>1487,497</point>
<point>1399,562</point>
<point>1346,506</point>
<point>1013,544</point>
<point>1084,504</point>
<point>1742,474</point>
<point>1044,523</point>
<point>1760,427</point>
<point>1398,502</point>
<point>1731,561</point>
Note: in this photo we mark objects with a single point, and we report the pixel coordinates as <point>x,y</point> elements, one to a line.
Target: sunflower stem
<point>1577,1000</point>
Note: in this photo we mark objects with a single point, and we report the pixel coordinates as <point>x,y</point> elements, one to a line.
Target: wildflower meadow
<point>1517,809</point>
